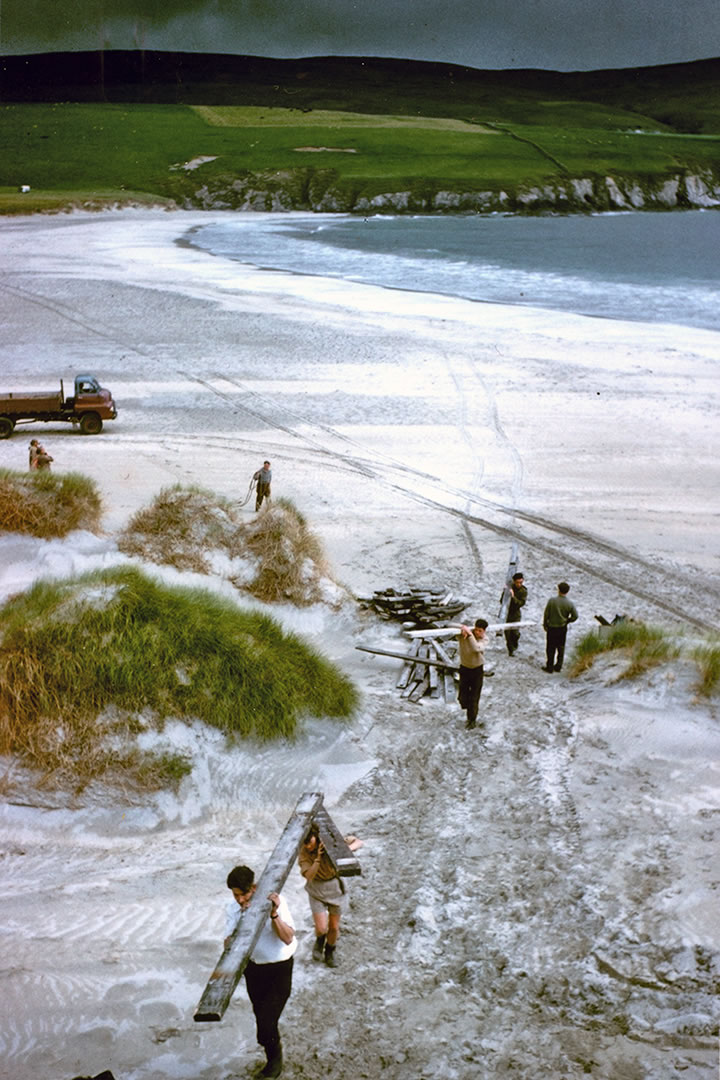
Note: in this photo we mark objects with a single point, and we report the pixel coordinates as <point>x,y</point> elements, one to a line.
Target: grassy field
<point>95,153</point>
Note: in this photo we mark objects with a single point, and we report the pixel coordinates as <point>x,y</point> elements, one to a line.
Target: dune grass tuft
<point>291,561</point>
<point>179,527</point>
<point>643,646</point>
<point>283,560</point>
<point>46,504</point>
<point>707,658</point>
<point>87,664</point>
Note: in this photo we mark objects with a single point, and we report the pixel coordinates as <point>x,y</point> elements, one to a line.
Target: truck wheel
<point>7,426</point>
<point>90,424</point>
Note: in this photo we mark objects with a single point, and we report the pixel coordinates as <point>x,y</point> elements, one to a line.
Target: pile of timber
<point>416,608</point>
<point>430,669</point>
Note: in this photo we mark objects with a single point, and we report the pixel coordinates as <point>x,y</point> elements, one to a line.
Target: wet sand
<point>543,902</point>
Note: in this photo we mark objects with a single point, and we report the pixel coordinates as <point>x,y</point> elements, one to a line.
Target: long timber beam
<point>233,961</point>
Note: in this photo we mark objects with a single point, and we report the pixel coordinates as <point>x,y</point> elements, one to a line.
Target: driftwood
<point>233,961</point>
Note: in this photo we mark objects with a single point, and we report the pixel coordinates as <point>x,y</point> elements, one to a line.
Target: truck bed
<point>42,401</point>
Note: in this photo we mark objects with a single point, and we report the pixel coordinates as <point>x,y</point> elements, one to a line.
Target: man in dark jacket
<point>559,612</point>
<point>263,478</point>
<point>518,596</point>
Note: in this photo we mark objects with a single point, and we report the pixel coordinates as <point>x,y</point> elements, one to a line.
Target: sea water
<point>655,267</point>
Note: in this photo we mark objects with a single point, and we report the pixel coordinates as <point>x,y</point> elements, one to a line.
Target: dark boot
<point>330,958</point>
<point>318,952</point>
<point>274,1061</point>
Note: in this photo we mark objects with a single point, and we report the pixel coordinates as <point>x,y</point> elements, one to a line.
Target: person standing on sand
<point>268,975</point>
<point>263,478</point>
<point>471,644</point>
<point>326,892</point>
<point>559,612</point>
<point>518,597</point>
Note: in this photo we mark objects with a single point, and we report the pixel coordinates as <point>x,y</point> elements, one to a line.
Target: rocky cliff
<point>321,191</point>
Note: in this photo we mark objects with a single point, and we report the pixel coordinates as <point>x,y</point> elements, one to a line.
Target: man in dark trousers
<point>471,646</point>
<point>559,612</point>
<point>262,477</point>
<point>268,975</point>
<point>518,596</point>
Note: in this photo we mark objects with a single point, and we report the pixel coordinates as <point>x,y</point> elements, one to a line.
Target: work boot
<point>318,952</point>
<point>274,1062</point>
<point>330,958</point>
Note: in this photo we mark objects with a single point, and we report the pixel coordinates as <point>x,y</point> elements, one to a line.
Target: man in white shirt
<point>268,975</point>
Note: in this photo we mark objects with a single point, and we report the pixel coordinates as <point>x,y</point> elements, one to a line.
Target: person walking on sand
<point>559,613</point>
<point>518,597</point>
<point>471,645</point>
<point>262,478</point>
<point>268,975</point>
<point>326,892</point>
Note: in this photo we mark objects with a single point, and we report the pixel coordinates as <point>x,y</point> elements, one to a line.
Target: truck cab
<point>91,404</point>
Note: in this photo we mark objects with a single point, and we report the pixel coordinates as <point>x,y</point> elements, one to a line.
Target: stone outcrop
<point>322,191</point>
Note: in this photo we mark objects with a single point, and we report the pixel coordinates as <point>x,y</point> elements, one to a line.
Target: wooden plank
<point>233,961</point>
<point>410,690</point>
<point>441,653</point>
<point>453,631</point>
<point>408,669</point>
<point>343,859</point>
<point>505,595</point>
<point>406,656</point>
<point>419,690</point>
<point>432,673</point>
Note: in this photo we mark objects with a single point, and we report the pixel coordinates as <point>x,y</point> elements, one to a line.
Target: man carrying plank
<point>518,597</point>
<point>268,974</point>
<point>471,645</point>
<point>326,892</point>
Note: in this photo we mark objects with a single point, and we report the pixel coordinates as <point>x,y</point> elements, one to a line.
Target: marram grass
<point>47,504</point>
<point>183,525</point>
<point>707,659</point>
<point>643,646</point>
<point>81,660</point>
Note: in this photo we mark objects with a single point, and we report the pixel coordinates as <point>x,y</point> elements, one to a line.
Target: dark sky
<point>564,35</point>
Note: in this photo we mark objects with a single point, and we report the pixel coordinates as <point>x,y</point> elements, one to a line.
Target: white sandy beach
<point>542,906</point>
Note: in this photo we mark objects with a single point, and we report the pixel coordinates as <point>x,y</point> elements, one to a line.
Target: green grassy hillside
<point>356,130</point>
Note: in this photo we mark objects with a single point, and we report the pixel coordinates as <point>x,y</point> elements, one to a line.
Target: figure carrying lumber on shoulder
<point>268,975</point>
<point>559,613</point>
<point>262,478</point>
<point>38,457</point>
<point>518,597</point>
<point>326,892</point>
<point>471,645</point>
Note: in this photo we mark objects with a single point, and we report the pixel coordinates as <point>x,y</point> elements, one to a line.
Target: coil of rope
<point>249,493</point>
